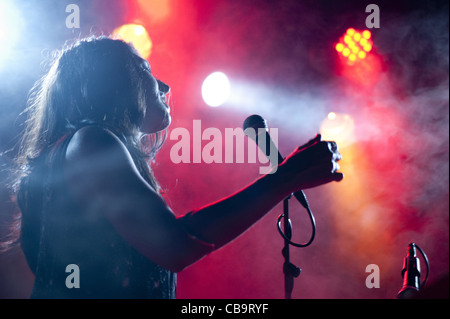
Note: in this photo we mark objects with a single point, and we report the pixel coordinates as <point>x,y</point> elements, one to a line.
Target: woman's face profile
<point>157,115</point>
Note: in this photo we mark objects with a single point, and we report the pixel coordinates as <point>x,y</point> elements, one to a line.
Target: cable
<point>305,204</point>
<point>427,265</point>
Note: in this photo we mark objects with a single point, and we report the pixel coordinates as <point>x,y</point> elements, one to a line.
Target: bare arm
<point>104,179</point>
<point>98,163</point>
<point>310,165</point>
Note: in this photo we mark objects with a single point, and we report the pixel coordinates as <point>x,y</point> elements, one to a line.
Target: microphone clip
<point>411,273</point>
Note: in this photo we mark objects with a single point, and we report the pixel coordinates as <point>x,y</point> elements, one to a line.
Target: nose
<point>163,87</point>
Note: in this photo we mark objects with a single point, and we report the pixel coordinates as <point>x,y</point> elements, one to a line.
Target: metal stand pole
<point>290,270</point>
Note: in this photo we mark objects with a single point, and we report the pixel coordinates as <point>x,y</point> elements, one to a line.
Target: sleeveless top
<point>56,234</point>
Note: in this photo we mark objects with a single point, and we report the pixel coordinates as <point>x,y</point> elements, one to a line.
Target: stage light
<point>339,47</point>
<point>367,47</point>
<point>346,52</point>
<point>352,44</point>
<point>367,34</point>
<point>137,35</point>
<point>139,30</point>
<point>355,49</point>
<point>216,89</point>
<point>11,26</point>
<point>339,128</point>
<point>331,116</point>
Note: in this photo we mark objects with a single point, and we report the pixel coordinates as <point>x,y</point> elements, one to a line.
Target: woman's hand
<point>312,164</point>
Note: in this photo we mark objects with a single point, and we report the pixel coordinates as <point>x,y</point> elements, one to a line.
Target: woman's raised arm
<point>102,176</point>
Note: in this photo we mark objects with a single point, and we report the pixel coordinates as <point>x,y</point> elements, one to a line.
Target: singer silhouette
<point>88,196</point>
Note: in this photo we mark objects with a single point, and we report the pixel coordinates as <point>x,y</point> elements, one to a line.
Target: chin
<point>166,122</point>
<point>161,125</point>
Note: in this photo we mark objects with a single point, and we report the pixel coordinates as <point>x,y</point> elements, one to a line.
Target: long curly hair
<point>95,81</point>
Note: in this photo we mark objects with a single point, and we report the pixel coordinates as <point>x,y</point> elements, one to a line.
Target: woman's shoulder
<point>95,140</point>
<point>97,154</point>
<point>93,135</point>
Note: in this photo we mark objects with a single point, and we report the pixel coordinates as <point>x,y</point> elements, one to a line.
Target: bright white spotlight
<point>11,25</point>
<point>216,89</point>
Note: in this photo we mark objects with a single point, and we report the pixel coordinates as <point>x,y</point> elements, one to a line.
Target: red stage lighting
<point>155,10</point>
<point>354,45</point>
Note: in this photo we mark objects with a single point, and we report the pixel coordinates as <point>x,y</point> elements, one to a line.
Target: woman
<point>87,194</point>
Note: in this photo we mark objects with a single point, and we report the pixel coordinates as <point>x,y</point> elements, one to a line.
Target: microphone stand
<point>255,123</point>
<point>290,270</point>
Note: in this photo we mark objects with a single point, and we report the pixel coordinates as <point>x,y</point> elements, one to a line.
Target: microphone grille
<point>255,121</point>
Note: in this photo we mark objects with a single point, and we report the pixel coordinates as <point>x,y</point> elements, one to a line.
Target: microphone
<point>255,127</point>
<point>410,274</point>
